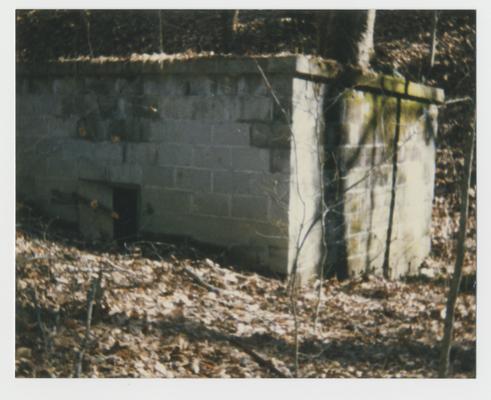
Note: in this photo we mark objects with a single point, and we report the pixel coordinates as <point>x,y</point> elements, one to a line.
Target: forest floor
<point>167,310</point>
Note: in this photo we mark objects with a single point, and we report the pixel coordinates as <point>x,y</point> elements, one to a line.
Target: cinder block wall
<point>379,176</point>
<point>203,141</point>
<point>217,157</point>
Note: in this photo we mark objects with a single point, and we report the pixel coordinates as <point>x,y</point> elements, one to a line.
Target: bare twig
<point>35,258</point>
<point>40,322</point>
<point>153,245</point>
<point>117,268</point>
<point>293,302</point>
<point>292,285</point>
<point>318,354</point>
<point>465,99</point>
<point>91,298</point>
<point>261,360</point>
<point>386,269</point>
<point>45,233</point>
<point>286,115</point>
<point>200,281</point>
<point>196,278</point>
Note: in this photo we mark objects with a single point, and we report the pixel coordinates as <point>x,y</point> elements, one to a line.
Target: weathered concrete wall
<point>306,188</point>
<point>203,145</point>
<point>215,158</point>
<point>379,176</point>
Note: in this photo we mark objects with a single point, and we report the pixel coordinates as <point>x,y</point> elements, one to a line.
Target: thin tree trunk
<point>229,23</point>
<point>365,43</point>
<point>161,33</point>
<point>85,16</point>
<point>91,301</point>
<point>428,68</point>
<point>433,39</point>
<point>457,275</point>
<point>235,21</point>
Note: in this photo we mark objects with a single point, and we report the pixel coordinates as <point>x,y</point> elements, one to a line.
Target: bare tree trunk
<point>161,33</point>
<point>457,274</point>
<point>235,21</point>
<point>433,39</point>
<point>347,36</point>
<point>364,46</point>
<point>230,20</point>
<point>85,17</point>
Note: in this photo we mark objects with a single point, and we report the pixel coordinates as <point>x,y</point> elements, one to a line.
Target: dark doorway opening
<point>125,205</point>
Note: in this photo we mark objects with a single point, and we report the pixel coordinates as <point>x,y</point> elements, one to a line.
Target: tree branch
<point>200,281</point>
<point>261,360</point>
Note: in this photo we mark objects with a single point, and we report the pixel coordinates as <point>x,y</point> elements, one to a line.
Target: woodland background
<point>151,318</point>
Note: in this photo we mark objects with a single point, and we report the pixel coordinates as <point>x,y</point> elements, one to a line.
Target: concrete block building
<point>284,161</point>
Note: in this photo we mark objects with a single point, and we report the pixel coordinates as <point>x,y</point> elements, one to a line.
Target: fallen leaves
<point>152,319</point>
